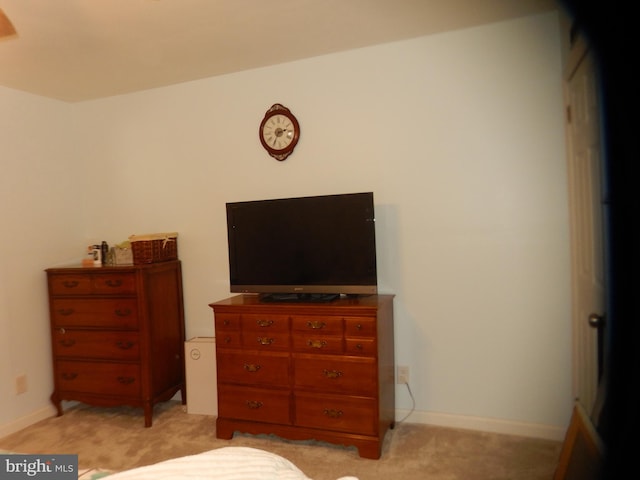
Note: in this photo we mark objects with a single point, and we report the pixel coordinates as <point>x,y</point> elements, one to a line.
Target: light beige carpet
<point>115,439</point>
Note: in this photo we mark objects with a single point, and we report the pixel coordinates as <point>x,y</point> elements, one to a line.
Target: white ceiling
<point>76,50</point>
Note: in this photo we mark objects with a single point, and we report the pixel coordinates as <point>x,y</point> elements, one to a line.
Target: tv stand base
<point>299,297</point>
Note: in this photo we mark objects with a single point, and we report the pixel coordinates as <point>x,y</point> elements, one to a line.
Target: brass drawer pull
<point>124,345</point>
<point>359,346</point>
<point>126,380</point>
<point>70,283</point>
<point>67,342</point>
<point>113,283</point>
<point>227,339</point>
<point>252,367</point>
<point>66,311</point>
<point>317,343</point>
<point>332,373</point>
<point>69,376</point>
<point>123,312</point>
<point>316,325</point>
<point>266,340</point>
<point>332,413</point>
<point>254,404</point>
<point>264,323</point>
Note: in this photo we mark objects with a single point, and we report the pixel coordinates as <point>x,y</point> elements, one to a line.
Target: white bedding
<point>228,463</point>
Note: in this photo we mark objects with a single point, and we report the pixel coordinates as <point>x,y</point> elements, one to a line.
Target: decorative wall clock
<point>279,132</point>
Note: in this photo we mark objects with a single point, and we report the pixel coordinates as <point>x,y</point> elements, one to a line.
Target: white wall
<point>459,135</point>
<point>41,200</point>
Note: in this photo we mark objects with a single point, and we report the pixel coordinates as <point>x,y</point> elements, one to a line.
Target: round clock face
<point>279,132</point>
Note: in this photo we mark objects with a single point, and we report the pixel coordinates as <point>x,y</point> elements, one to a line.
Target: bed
<point>228,463</point>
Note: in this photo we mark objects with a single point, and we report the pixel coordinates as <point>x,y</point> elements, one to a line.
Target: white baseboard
<point>484,424</point>
<point>27,420</point>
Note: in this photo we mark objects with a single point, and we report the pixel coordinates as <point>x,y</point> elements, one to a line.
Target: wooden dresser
<point>321,371</point>
<point>117,335</point>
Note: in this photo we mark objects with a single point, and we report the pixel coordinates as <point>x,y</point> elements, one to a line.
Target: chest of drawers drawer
<point>110,284</point>
<point>101,378</point>
<point>94,312</point>
<point>69,284</point>
<point>96,284</point>
<point>96,344</point>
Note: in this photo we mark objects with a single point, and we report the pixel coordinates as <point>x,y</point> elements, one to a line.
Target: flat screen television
<point>305,248</point>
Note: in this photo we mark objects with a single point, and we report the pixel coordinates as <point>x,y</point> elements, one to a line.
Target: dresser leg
<point>369,449</point>
<point>224,429</point>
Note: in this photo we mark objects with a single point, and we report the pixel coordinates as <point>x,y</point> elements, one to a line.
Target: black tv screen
<point>321,245</point>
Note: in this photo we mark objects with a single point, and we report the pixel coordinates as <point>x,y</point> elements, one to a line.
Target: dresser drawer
<point>266,340</point>
<point>308,342</point>
<point>265,323</point>
<point>359,327</point>
<point>98,378</point>
<point>318,324</point>
<point>360,346</point>
<point>114,283</point>
<point>262,405</point>
<point>336,412</point>
<point>69,284</point>
<point>228,339</point>
<point>94,312</point>
<point>227,322</point>
<point>335,374</point>
<point>253,368</point>
<point>96,344</point>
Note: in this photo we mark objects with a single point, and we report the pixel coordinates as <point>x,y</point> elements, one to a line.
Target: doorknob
<point>595,320</point>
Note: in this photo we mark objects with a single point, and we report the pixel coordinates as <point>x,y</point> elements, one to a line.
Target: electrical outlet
<point>402,374</point>
<point>21,384</point>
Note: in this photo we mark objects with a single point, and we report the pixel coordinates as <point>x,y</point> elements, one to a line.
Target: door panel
<point>587,247</point>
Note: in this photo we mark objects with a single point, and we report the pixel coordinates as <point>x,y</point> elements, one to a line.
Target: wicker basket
<point>154,247</point>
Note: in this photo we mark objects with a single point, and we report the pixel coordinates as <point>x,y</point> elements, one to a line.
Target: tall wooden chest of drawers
<point>322,371</point>
<point>117,335</point>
